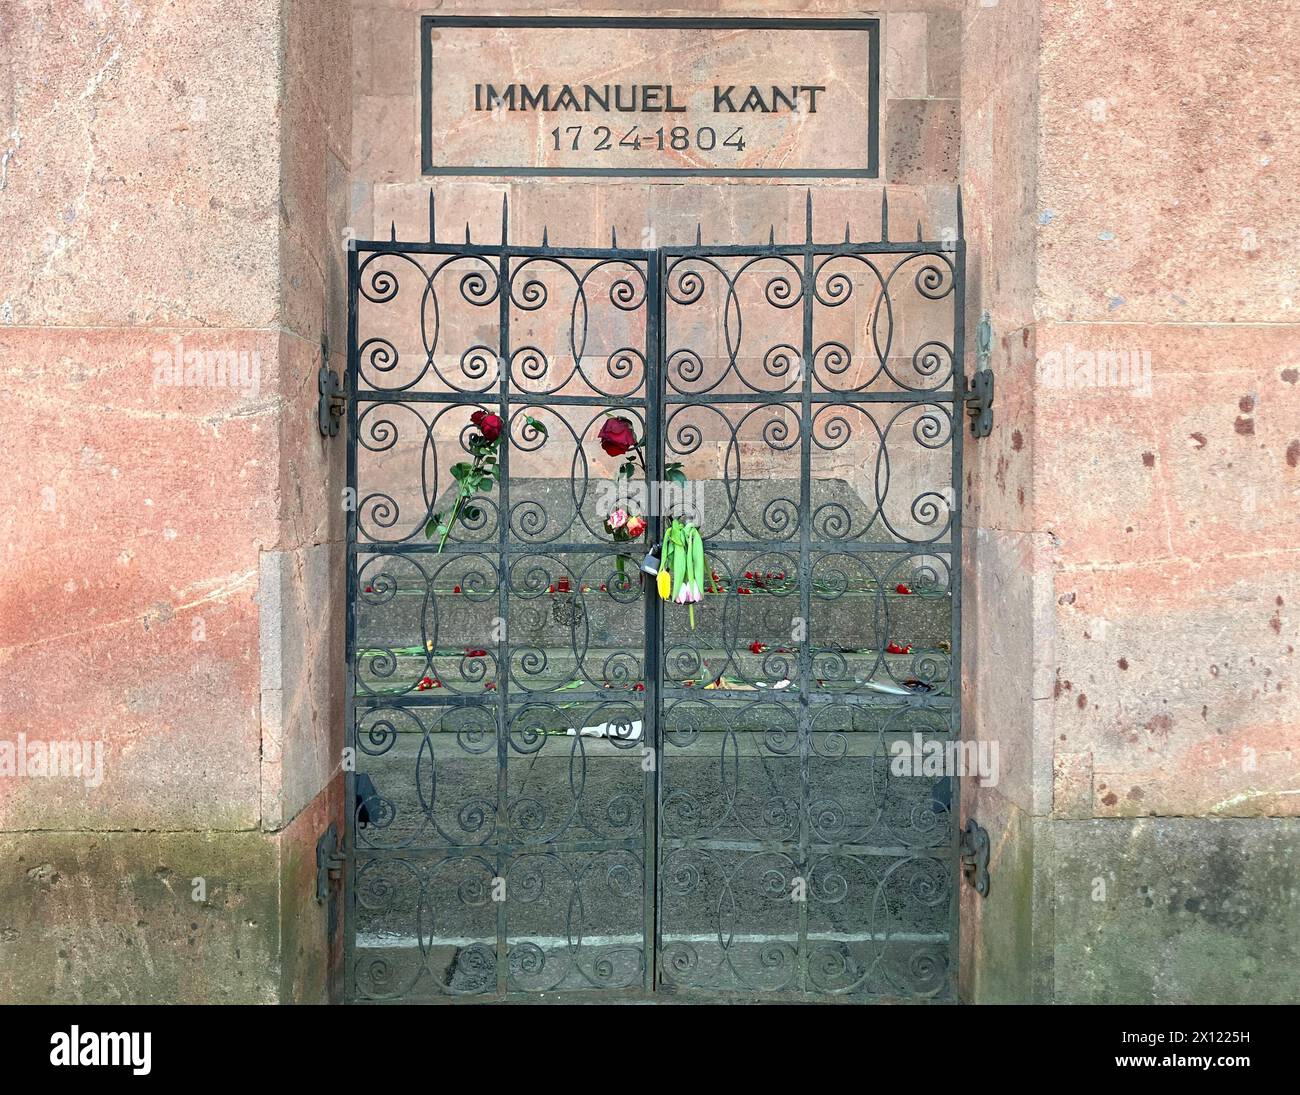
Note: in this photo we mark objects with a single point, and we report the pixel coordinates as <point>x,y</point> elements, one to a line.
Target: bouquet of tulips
<point>681,570</point>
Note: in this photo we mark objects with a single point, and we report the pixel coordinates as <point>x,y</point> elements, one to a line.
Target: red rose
<point>489,424</point>
<point>616,436</point>
<point>901,588</point>
<point>635,526</point>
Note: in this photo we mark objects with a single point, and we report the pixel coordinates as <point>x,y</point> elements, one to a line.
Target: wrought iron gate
<point>562,788</point>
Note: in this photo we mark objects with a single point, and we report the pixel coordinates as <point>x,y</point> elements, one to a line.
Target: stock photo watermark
<point>34,758</point>
<point>929,759</point>
<point>1075,368</point>
<point>179,367</point>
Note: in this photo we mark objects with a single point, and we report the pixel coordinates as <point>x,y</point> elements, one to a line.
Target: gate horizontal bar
<point>672,398</point>
<point>756,250</point>
<point>496,250</point>
<point>490,851</point>
<point>774,547</point>
<point>927,701</point>
<point>791,847</point>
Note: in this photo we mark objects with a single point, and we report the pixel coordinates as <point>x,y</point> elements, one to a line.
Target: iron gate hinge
<point>974,851</point>
<point>979,391</point>
<point>333,402</point>
<point>329,860</point>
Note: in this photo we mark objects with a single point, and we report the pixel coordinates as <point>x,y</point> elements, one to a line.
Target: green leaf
<point>459,471</point>
<point>431,528</point>
<point>471,513</point>
<point>538,426</point>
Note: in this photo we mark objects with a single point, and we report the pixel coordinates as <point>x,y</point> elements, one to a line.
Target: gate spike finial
<point>613,236</point>
<point>920,235</point>
<point>698,235</point>
<point>392,231</point>
<point>771,235</point>
<point>960,227</point>
<point>433,218</point>
<point>467,240</point>
<point>884,215</point>
<point>808,215</point>
<point>544,244</point>
<point>846,231</point>
<point>505,218</point>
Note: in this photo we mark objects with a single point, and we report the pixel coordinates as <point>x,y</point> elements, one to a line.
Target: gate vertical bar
<point>653,674</point>
<point>349,644</point>
<point>503,601</point>
<point>955,572</point>
<point>805,586</point>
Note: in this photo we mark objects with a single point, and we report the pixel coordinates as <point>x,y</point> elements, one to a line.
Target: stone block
<point>922,140</point>
<point>135,174</point>
<point>311,932</point>
<point>118,918</point>
<point>1178,910</point>
<point>1167,170</point>
<point>1006,620</point>
<point>905,55</point>
<point>301,654</point>
<point>1182,475</point>
<point>998,941</point>
<point>1179,679</point>
<point>129,617</point>
<point>943,54</point>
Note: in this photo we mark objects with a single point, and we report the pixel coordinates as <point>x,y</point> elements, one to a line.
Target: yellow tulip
<point>665,584</point>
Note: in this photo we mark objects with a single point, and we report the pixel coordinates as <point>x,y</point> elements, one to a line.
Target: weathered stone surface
<point>128,618</point>
<point>905,55</point>
<point>1169,559</point>
<point>311,933</point>
<point>1000,469</point>
<point>943,54</point>
<point>1007,601</point>
<point>301,652</point>
<point>1201,725</point>
<point>999,138</point>
<point>1166,167</point>
<point>135,181</point>
<point>112,918</point>
<point>999,947</point>
<point>1177,910</point>
<point>1179,477</point>
<point>921,140</point>
<point>181,176</point>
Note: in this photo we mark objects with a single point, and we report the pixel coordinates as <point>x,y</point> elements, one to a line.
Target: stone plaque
<point>630,96</point>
